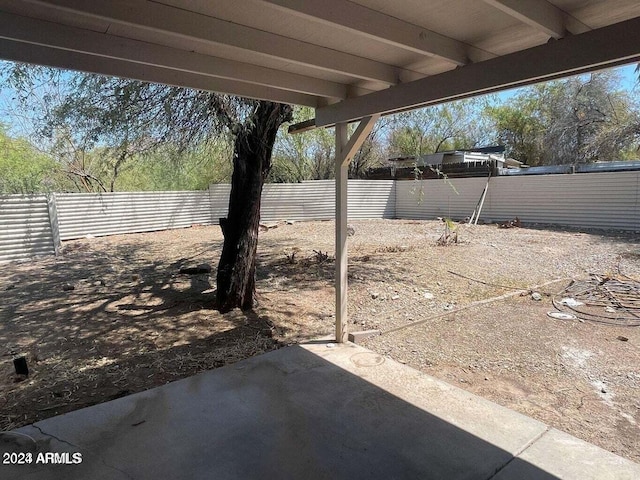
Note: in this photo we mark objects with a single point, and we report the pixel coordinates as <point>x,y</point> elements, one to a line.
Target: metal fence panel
<point>371,199</point>
<point>82,214</point>
<point>219,201</point>
<point>609,200</point>
<point>314,200</point>
<point>426,199</point>
<point>25,230</point>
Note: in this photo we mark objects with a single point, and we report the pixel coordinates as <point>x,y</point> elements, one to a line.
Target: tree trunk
<point>236,283</point>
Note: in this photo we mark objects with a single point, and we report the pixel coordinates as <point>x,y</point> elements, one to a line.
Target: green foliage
<point>579,119</point>
<point>450,234</point>
<point>302,156</point>
<point>166,169</point>
<point>310,155</point>
<point>518,128</point>
<point>23,169</point>
<point>103,133</point>
<point>439,128</point>
<point>100,128</point>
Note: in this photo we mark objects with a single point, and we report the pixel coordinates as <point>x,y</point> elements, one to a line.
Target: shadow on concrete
<point>288,414</point>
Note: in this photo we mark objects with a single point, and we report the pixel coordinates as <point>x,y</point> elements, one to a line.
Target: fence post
<point>53,222</point>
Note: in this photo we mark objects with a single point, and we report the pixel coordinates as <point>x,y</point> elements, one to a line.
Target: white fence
<point>609,200</point>
<point>33,225</point>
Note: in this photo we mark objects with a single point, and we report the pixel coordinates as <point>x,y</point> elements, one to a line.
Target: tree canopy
<point>25,170</point>
<point>440,128</point>
<point>105,130</point>
<point>577,120</point>
<point>97,133</point>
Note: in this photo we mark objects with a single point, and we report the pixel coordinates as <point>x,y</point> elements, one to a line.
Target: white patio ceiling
<point>348,59</point>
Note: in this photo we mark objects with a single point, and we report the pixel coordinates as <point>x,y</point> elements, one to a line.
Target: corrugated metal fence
<point>315,200</point>
<point>609,200</point>
<point>29,224</point>
<point>35,225</point>
<point>82,214</point>
<point>25,227</point>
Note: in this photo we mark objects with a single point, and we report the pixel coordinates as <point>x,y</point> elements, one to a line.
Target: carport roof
<point>347,59</point>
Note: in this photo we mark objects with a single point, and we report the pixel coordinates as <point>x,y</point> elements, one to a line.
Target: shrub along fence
<point>34,225</point>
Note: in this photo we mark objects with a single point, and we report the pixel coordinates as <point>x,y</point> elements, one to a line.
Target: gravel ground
<point>463,313</point>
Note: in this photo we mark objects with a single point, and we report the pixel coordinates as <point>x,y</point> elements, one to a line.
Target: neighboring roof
<point>495,152</point>
<point>347,59</point>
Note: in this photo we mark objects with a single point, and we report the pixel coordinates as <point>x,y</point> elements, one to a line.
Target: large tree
<point>23,169</point>
<point>310,155</point>
<point>580,119</point>
<point>254,140</point>
<point>439,128</point>
<point>125,119</point>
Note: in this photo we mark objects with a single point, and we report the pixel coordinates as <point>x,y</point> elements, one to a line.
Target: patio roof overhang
<point>350,60</point>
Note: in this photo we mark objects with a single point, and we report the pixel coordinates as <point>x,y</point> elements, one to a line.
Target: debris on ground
<point>570,302</point>
<point>198,269</point>
<point>20,366</point>
<point>320,256</point>
<point>562,315</point>
<point>266,226</point>
<point>351,230</point>
<point>510,223</point>
<point>536,296</point>
<point>602,299</point>
<point>291,255</point>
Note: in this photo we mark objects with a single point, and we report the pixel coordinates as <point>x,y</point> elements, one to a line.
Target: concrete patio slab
<point>316,411</point>
<point>565,456</point>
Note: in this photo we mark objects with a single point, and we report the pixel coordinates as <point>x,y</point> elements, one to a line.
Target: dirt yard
<point>113,316</point>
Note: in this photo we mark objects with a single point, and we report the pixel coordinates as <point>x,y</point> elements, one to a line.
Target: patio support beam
<point>605,47</point>
<point>541,15</point>
<point>346,148</point>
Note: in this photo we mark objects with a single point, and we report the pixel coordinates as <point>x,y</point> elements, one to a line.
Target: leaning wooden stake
<point>476,212</point>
